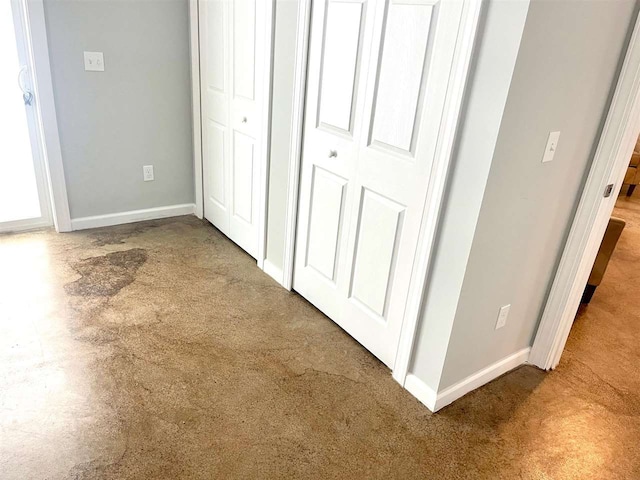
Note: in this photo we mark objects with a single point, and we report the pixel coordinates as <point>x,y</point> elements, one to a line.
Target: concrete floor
<point>159,351</point>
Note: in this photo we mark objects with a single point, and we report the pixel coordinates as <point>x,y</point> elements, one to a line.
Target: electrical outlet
<point>502,316</point>
<point>147,173</point>
<point>94,61</point>
<point>552,145</point>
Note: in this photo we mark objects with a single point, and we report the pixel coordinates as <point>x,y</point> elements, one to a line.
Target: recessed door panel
<point>216,43</point>
<point>216,152</point>
<point>243,159</point>
<point>377,237</point>
<point>400,78</point>
<point>340,60</point>
<point>244,48</point>
<point>327,202</point>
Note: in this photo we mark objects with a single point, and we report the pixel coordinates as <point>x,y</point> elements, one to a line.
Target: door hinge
<point>608,190</point>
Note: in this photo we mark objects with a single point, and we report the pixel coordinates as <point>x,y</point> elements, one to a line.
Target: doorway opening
<point>24,196</point>
<point>593,225</point>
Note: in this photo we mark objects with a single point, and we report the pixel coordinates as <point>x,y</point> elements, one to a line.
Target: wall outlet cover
<point>147,173</point>
<point>93,61</point>
<point>552,146</point>
<point>502,316</point>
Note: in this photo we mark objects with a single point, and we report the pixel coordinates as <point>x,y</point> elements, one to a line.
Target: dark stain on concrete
<point>205,369</point>
<point>106,275</point>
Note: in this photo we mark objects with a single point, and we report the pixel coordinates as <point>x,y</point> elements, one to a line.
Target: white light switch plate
<point>502,316</point>
<point>93,61</point>
<point>552,146</point>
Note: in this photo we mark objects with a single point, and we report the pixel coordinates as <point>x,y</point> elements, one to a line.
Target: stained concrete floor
<point>159,351</point>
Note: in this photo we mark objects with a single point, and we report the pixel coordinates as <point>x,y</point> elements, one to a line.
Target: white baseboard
<point>273,271</point>
<point>435,402</point>
<point>24,225</point>
<point>421,391</point>
<point>132,216</point>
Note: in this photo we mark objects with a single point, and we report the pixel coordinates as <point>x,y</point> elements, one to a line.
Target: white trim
<point>25,54</point>
<point>435,193</point>
<point>132,216</point>
<point>421,391</point>
<point>592,216</point>
<point>265,136</point>
<point>484,376</point>
<point>295,140</point>
<point>435,402</point>
<point>194,51</point>
<point>18,226</point>
<point>46,113</point>
<point>272,270</point>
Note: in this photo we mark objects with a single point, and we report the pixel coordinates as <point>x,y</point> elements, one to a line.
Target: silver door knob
<point>333,153</point>
<point>244,119</point>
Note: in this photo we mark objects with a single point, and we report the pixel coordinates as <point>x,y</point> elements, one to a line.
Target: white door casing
<point>234,68</point>
<point>609,166</point>
<point>377,81</point>
<point>26,78</point>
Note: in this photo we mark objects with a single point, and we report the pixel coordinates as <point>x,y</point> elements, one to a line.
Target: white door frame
<point>48,140</point>
<point>609,165</point>
<point>263,150</point>
<point>194,51</point>
<point>440,168</point>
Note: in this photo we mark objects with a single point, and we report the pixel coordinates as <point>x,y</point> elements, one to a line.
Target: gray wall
<point>137,112</point>
<point>498,40</point>
<point>564,75</point>
<point>286,15</point>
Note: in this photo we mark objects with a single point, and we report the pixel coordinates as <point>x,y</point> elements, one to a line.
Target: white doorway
<point>235,66</point>
<point>616,143</point>
<point>382,93</point>
<point>24,193</point>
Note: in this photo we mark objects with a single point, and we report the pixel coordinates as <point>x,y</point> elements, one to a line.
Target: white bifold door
<point>377,82</point>
<point>234,70</point>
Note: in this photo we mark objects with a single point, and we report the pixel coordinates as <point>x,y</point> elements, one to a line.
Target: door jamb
<point>194,52</point>
<point>303,31</point>
<point>431,212</point>
<point>610,162</point>
<point>46,114</point>
<point>265,133</point>
<point>196,102</point>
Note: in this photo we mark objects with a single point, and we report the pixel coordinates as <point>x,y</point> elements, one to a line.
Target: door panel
<point>233,68</point>
<point>216,148</point>
<point>340,65</point>
<point>214,47</point>
<point>377,81</point>
<point>400,75</point>
<point>243,151</point>
<point>327,206</point>
<point>377,238</point>
<point>244,39</point>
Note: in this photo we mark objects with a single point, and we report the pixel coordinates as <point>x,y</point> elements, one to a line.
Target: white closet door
<point>233,69</point>
<point>378,76</point>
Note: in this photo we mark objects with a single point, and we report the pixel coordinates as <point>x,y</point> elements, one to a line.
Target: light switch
<point>93,62</point>
<point>552,146</point>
